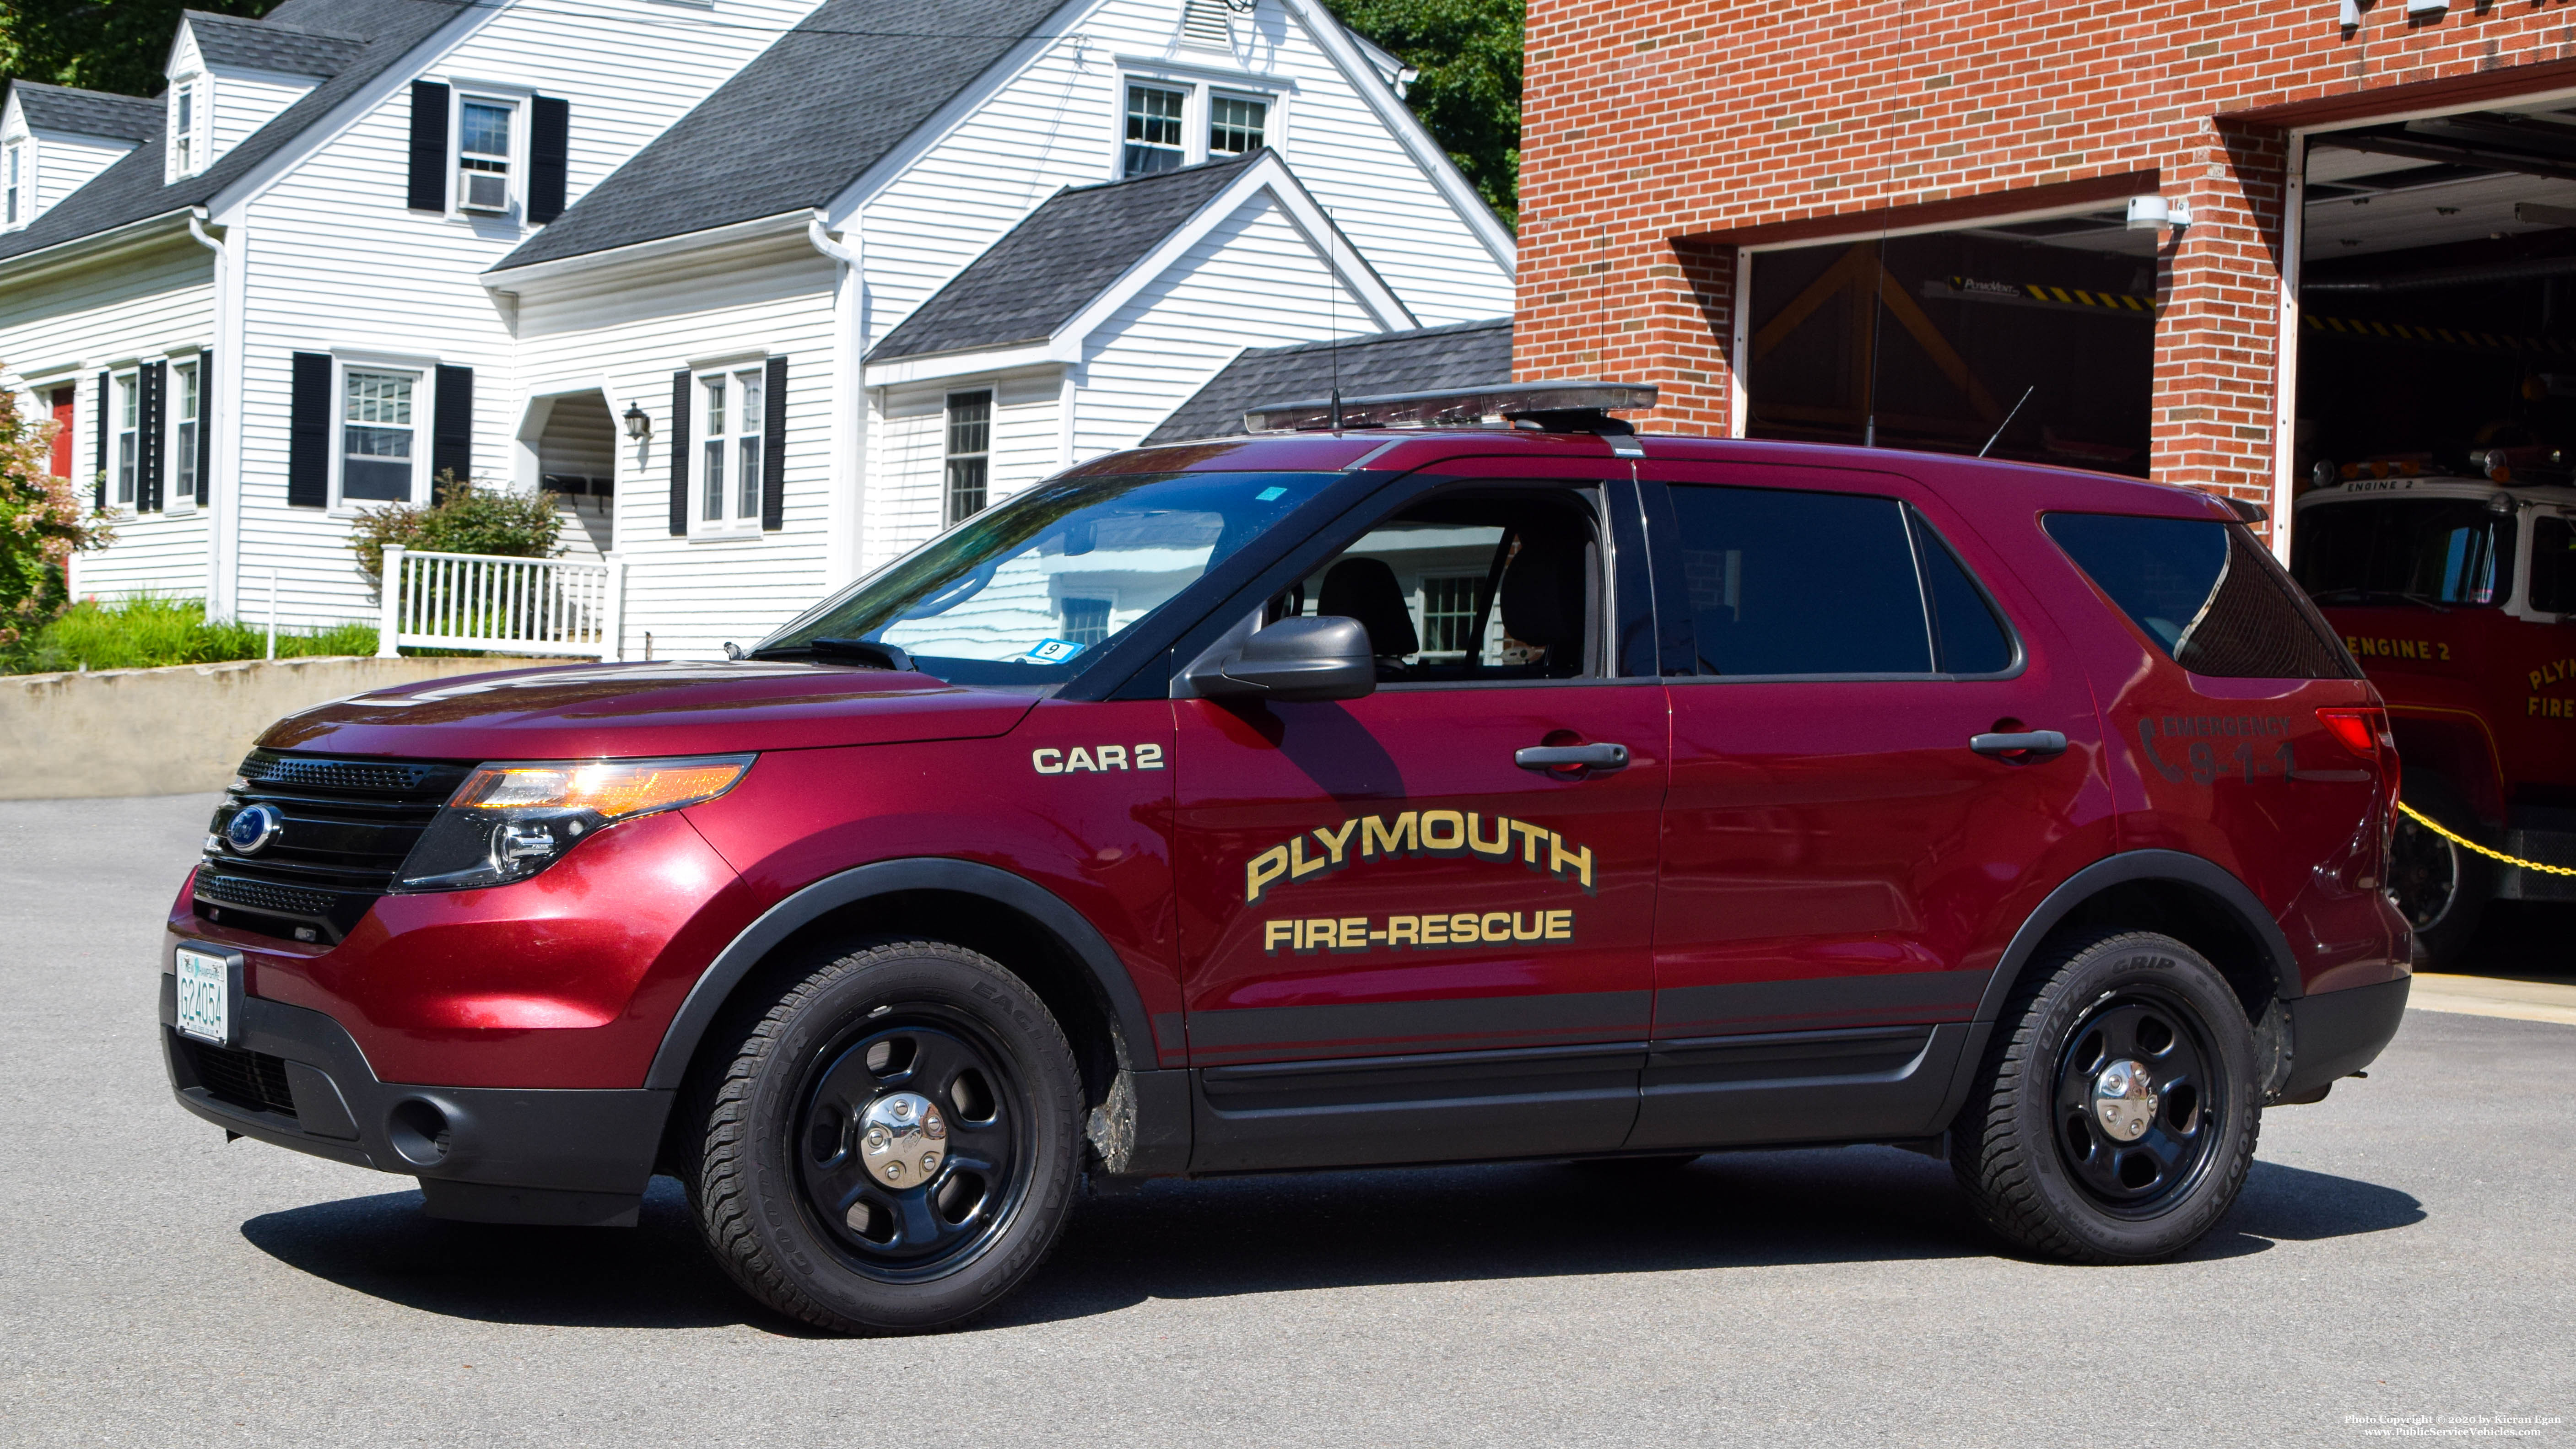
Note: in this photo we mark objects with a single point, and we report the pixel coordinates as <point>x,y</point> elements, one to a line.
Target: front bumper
<point>294,1077</point>
<point>2334,1034</point>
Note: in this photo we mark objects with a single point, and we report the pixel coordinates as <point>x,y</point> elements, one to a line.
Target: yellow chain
<point>2420,818</point>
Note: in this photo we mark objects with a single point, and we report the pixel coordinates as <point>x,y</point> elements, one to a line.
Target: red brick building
<point>1840,221</point>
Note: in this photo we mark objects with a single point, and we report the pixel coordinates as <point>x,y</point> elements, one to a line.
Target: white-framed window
<point>124,436</point>
<point>1236,124</point>
<point>732,403</point>
<point>1154,131</point>
<point>1168,121</point>
<point>190,131</point>
<point>185,403</point>
<point>17,185</point>
<point>382,445</point>
<point>487,141</point>
<point>969,454</point>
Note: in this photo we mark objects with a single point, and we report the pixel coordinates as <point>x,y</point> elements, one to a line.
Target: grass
<point>147,631</point>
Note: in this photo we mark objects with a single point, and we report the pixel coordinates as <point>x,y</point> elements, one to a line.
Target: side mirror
<point>1298,661</point>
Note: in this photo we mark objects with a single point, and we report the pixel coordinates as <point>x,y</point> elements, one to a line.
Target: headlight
<point>507,822</point>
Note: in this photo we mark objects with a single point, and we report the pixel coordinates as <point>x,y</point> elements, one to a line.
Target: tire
<point>2441,889</point>
<point>888,1060</point>
<point>2112,997</point>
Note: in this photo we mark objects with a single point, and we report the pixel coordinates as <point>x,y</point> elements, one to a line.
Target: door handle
<point>1558,757</point>
<point>2022,742</point>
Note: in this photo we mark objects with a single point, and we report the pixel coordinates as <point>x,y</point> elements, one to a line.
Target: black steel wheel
<point>887,1142</point>
<point>2137,1104</point>
<point>911,1140</point>
<point>2115,1113</point>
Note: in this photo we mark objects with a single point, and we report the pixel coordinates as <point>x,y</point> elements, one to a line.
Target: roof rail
<point>1576,406</point>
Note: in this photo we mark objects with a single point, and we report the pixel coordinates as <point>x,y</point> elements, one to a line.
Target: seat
<point>1543,600</point>
<point>1365,589</point>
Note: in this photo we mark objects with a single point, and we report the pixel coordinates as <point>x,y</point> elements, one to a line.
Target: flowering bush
<point>43,522</point>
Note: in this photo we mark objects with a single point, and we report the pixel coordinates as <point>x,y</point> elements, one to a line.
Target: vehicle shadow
<point>1233,1237</point>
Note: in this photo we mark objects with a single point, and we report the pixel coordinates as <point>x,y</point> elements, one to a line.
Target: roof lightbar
<point>1580,406</point>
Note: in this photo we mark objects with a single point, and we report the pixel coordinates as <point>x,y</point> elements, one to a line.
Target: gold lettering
<point>1500,846</point>
<point>1435,930</point>
<point>1530,836</point>
<point>1051,762</point>
<point>1149,757</point>
<point>1354,934</point>
<point>1081,761</point>
<point>1334,840</point>
<point>1436,820</point>
<point>1537,926</point>
<point>1462,929</point>
<point>1113,757</point>
<point>1261,870</point>
<point>1274,934</point>
<point>1299,867</point>
<point>1402,930</point>
<point>1560,925</point>
<point>1376,836</point>
<point>1559,859</point>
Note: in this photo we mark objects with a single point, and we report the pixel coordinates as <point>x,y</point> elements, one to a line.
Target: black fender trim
<point>2139,865</point>
<point>889,877</point>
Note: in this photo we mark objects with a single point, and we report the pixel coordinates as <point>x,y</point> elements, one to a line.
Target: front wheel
<point>2116,1113</point>
<point>891,1145</point>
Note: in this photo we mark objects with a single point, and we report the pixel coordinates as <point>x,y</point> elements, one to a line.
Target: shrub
<point>148,631</point>
<point>43,522</point>
<point>469,517</point>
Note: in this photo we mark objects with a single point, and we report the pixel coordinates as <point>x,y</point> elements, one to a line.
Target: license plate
<point>205,996</point>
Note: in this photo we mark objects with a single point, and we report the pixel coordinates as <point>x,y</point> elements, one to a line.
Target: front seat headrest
<point>1543,592</point>
<point>1365,589</point>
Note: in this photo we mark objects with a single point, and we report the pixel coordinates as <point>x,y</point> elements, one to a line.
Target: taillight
<point>2363,729</point>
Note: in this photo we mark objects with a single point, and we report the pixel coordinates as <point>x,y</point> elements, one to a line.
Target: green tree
<point>100,45</point>
<point>1468,91</point>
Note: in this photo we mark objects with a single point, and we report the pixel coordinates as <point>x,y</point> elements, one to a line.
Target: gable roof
<point>131,190</point>
<point>229,40</point>
<point>794,128</point>
<point>1426,359</point>
<point>1035,279</point>
<point>86,113</point>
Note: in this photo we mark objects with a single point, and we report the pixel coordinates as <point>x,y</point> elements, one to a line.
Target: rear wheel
<point>2441,888</point>
<point>891,1145</point>
<point>2117,1111</point>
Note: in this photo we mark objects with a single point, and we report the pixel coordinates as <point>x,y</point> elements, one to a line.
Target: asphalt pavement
<point>2402,1254</point>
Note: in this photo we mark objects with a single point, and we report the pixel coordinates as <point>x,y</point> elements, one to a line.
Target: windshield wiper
<point>856,651</point>
<point>2366,596</point>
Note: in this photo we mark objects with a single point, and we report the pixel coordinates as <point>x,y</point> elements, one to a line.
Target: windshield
<point>2428,550</point>
<point>1028,591</point>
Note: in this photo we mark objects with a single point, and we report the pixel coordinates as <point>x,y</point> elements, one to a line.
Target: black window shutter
<point>205,423</point>
<point>106,402</point>
<point>549,157</point>
<point>680,452</point>
<point>451,437</point>
<point>428,147</point>
<point>150,477</point>
<point>773,447</point>
<point>308,433</point>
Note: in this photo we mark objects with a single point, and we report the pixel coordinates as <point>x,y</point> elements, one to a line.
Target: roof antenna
<point>1333,309</point>
<point>1877,317</point>
<point>2007,422</point>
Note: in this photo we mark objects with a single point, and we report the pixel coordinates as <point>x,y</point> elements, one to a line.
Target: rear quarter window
<point>2206,594</point>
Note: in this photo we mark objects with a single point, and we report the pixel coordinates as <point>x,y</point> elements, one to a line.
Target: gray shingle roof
<point>1057,259</point>
<point>825,102</point>
<point>229,40</point>
<point>1425,359</point>
<point>131,190</point>
<point>86,113</point>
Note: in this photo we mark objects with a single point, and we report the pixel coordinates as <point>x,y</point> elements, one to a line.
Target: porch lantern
<point>639,425</point>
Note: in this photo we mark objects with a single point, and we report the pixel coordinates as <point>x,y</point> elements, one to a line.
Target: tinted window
<point>1971,639</point>
<point>2441,550</point>
<point>1785,582</point>
<point>2553,566</point>
<point>1469,586</point>
<point>2208,595</point>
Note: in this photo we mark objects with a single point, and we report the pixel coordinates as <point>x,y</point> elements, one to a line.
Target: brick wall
<point>1657,136</point>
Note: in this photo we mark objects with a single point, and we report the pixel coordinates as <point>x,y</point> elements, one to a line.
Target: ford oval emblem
<point>249,832</point>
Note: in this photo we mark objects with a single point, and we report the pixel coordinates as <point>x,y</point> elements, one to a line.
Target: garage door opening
<point>2036,336</point>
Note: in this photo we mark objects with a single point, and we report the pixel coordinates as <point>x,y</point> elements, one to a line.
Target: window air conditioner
<point>482,191</point>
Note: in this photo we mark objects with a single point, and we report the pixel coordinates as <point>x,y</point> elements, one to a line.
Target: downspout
<point>847,516</point>
<point>220,413</point>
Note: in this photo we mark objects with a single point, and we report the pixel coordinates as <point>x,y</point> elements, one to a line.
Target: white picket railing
<point>509,605</point>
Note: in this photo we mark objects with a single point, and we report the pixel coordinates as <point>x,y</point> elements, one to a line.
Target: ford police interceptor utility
<point>1350,794</point>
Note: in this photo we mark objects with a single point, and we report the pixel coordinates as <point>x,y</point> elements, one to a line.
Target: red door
<point>1842,868</point>
<point>63,414</point>
<point>1386,918</point>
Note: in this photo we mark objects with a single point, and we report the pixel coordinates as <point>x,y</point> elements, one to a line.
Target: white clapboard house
<point>768,291</point>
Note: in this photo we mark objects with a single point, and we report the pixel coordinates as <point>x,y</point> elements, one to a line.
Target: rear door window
<point>2206,594</point>
<point>1788,582</point>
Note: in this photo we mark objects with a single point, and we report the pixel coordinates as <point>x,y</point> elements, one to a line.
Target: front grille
<point>254,1080</point>
<point>348,825</point>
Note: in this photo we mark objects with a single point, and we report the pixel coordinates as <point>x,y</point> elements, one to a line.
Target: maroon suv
<point>1342,797</point>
